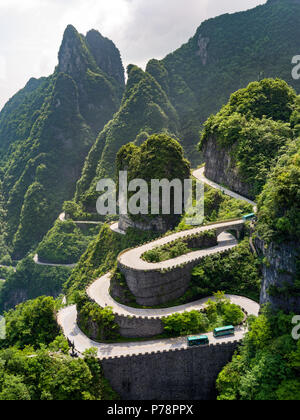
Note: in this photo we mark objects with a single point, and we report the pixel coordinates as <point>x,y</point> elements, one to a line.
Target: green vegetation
<point>100,91</point>
<point>166,252</point>
<point>253,127</point>
<point>65,242</point>
<point>5,258</point>
<point>75,211</point>
<point>100,257</point>
<point>119,289</point>
<point>32,323</point>
<point>216,275</point>
<point>236,271</point>
<point>34,360</point>
<point>269,98</point>
<point>279,203</point>
<point>244,51</point>
<point>19,114</point>
<point>46,132</point>
<point>177,94</point>
<point>42,375</point>
<point>103,318</point>
<point>174,95</point>
<point>216,314</point>
<point>5,272</point>
<point>181,247</point>
<point>267,365</point>
<point>219,207</point>
<point>159,157</point>
<point>145,110</point>
<point>42,192</point>
<point>30,281</point>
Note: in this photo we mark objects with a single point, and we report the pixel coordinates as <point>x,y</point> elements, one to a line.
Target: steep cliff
<point>100,91</point>
<point>242,142</point>
<point>47,129</point>
<point>159,157</point>
<point>226,54</point>
<point>145,110</point>
<point>107,56</point>
<point>177,94</point>
<point>278,233</point>
<point>221,168</point>
<point>281,278</point>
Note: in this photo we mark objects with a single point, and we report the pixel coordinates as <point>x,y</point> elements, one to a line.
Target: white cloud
<point>3,68</point>
<point>31,30</point>
<point>110,15</point>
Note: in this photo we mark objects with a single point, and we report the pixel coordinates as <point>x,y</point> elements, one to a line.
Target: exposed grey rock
<point>71,58</point>
<point>279,270</point>
<point>202,52</point>
<point>220,168</point>
<point>157,224</point>
<point>107,55</point>
<point>100,88</point>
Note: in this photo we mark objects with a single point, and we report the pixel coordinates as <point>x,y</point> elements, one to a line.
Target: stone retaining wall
<point>137,327</point>
<point>154,287</point>
<point>186,374</point>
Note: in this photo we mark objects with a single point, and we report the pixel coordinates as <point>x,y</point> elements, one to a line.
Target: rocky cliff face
<point>54,122</point>
<point>107,55</point>
<point>100,88</point>
<point>157,224</point>
<point>280,272</point>
<point>220,168</point>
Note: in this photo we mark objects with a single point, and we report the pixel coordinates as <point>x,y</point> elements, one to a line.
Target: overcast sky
<point>31,30</point>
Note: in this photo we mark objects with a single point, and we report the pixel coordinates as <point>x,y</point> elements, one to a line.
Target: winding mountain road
<point>67,319</point>
<point>115,228</point>
<point>199,174</point>
<point>62,218</point>
<point>133,257</point>
<point>99,291</point>
<point>38,262</point>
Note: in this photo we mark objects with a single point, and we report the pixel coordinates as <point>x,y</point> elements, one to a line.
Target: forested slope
<point>47,129</point>
<point>226,54</point>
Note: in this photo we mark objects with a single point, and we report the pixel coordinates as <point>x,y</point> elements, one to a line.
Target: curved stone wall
<point>187,374</point>
<point>130,326</point>
<point>155,287</point>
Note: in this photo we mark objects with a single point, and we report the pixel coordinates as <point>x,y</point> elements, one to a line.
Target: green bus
<point>221,332</point>
<point>199,340</point>
<point>250,216</point>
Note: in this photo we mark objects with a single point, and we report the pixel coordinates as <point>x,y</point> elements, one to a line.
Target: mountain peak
<point>106,55</point>
<point>70,31</point>
<point>78,53</point>
<point>74,56</point>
